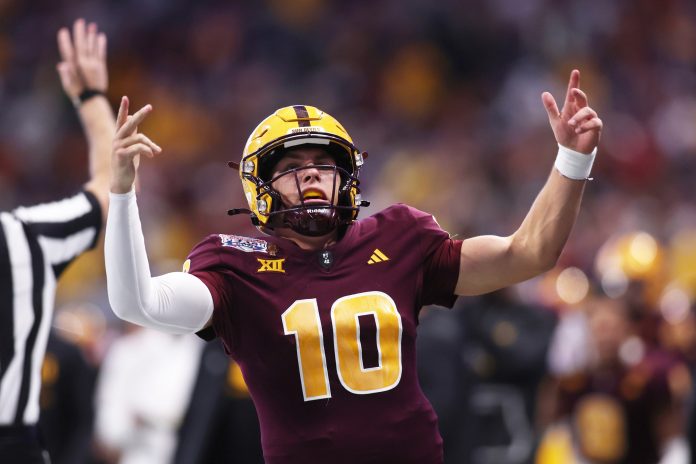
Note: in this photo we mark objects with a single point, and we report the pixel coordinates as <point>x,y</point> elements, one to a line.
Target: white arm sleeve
<point>175,303</point>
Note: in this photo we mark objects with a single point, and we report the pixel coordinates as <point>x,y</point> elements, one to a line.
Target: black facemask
<point>310,219</point>
<point>313,219</point>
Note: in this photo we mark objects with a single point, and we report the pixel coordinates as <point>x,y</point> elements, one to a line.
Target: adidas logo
<point>377,257</point>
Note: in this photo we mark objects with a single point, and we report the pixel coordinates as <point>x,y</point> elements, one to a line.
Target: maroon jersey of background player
<point>617,414</point>
<point>282,312</point>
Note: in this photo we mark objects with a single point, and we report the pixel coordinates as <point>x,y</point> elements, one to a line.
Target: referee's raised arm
<point>83,74</point>
<point>38,242</point>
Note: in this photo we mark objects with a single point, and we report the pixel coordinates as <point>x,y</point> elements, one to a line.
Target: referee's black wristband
<point>87,94</point>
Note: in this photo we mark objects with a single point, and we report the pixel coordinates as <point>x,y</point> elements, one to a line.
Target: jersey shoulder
<point>218,249</point>
<point>398,215</point>
<point>402,220</point>
<point>232,243</point>
<point>400,212</point>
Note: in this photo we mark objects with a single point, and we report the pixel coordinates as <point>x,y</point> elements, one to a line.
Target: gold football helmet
<point>290,127</point>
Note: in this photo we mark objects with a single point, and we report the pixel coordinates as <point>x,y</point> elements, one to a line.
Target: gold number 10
<point>302,320</point>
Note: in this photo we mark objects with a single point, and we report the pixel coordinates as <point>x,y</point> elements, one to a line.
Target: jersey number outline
<point>302,320</point>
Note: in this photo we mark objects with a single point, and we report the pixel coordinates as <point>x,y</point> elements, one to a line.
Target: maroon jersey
<point>326,340</point>
<point>615,412</point>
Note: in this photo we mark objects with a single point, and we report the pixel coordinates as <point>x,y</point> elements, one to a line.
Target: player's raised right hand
<point>128,146</point>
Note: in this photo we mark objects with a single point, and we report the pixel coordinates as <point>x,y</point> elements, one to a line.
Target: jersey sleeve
<point>64,229</point>
<point>205,262</point>
<point>441,256</point>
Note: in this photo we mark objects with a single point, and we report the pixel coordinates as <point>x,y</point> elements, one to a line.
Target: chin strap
<point>235,211</point>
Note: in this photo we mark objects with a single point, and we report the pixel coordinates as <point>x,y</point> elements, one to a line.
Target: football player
<point>617,410</point>
<point>321,313</point>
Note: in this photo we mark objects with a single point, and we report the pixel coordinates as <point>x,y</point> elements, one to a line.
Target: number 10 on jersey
<point>302,320</point>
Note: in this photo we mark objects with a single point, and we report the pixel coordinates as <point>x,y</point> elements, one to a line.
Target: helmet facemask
<point>308,217</point>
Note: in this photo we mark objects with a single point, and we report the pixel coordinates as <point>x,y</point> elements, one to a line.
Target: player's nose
<point>311,173</point>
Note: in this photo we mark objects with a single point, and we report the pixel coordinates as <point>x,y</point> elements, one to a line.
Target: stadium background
<point>443,95</point>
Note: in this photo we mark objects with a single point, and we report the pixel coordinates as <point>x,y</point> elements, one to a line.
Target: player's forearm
<point>540,239</point>
<point>174,303</point>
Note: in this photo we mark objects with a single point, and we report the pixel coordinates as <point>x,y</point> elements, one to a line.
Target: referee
<point>38,242</point>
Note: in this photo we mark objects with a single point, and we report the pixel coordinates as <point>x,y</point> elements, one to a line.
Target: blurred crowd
<point>445,97</point>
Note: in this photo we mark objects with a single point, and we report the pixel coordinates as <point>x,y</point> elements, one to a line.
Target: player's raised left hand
<point>576,125</point>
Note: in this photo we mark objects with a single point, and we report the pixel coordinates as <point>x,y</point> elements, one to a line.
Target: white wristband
<point>573,164</point>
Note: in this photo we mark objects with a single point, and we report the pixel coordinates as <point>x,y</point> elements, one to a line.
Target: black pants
<point>21,445</point>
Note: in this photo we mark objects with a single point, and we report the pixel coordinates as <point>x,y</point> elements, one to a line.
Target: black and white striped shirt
<point>36,245</point>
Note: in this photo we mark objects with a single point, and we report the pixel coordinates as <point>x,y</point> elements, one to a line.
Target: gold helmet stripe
<point>302,115</point>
